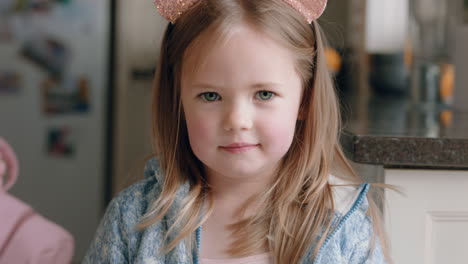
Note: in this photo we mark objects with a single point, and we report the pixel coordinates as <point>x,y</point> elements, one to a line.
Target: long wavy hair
<point>298,206</point>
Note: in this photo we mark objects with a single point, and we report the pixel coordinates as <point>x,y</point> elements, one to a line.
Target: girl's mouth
<point>239,147</point>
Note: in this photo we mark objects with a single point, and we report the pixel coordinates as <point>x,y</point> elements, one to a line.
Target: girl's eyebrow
<point>253,86</point>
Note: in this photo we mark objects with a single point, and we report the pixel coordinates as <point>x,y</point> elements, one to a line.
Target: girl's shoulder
<point>348,197</point>
<point>116,239</point>
<point>351,238</point>
<point>140,195</point>
<point>130,204</point>
<point>351,209</point>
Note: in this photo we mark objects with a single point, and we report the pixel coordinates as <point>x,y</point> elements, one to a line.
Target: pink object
<point>310,9</point>
<point>173,9</point>
<point>26,236</point>
<point>9,162</point>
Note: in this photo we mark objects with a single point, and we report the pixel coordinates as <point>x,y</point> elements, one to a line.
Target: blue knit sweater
<point>116,241</point>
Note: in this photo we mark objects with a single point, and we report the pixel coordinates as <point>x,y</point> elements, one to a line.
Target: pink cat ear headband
<point>173,9</point>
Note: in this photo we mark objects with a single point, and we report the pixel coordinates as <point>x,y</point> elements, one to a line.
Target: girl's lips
<point>239,147</point>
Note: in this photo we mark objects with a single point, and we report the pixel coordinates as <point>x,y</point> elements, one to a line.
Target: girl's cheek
<point>279,133</point>
<point>199,130</point>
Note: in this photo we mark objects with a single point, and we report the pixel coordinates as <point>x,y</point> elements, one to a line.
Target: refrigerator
<point>54,107</point>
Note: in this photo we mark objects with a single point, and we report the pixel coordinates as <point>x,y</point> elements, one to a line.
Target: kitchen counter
<point>392,132</point>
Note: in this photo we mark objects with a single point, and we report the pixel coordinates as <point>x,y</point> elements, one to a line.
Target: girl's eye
<point>264,95</point>
<point>210,96</point>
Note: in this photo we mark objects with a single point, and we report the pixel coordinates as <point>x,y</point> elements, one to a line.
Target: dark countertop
<point>392,132</point>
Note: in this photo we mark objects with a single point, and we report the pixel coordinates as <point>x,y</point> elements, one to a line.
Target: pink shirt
<point>264,258</point>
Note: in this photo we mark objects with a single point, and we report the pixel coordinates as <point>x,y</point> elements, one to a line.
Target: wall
<point>66,190</point>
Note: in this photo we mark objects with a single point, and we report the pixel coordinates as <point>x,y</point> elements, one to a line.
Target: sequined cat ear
<point>310,9</point>
<point>173,9</point>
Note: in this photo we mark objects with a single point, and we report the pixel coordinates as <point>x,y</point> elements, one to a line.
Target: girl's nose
<point>238,118</point>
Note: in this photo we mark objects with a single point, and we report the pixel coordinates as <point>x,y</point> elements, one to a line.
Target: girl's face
<point>241,104</point>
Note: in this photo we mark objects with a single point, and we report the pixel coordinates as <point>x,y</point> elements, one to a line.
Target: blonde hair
<point>299,204</point>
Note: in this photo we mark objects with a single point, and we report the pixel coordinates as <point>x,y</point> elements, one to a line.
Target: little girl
<point>248,166</point>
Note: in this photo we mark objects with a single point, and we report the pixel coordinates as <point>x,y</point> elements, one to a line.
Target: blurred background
<point>76,77</point>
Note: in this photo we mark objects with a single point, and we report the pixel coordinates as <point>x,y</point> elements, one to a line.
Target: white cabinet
<point>430,224</point>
